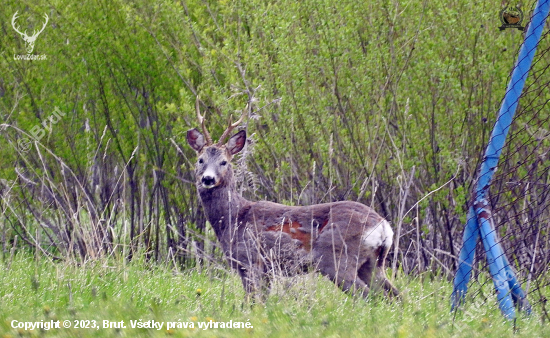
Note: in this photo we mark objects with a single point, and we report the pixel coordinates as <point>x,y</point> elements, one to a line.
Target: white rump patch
<point>379,235</point>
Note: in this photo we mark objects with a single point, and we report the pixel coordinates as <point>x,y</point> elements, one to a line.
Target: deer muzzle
<point>208,182</point>
<point>209,178</point>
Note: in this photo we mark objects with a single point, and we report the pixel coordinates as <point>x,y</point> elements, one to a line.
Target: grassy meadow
<point>306,306</point>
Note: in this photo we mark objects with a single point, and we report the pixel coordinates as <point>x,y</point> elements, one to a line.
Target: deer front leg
<point>256,283</point>
<point>251,270</point>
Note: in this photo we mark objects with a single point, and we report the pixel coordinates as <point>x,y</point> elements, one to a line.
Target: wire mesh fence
<point>513,208</point>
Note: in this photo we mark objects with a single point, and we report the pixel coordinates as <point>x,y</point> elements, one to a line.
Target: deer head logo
<point>29,40</point>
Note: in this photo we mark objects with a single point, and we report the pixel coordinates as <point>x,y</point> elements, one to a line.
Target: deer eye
<point>223,163</point>
<point>201,161</point>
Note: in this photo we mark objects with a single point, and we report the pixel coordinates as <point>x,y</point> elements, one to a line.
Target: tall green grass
<point>307,306</point>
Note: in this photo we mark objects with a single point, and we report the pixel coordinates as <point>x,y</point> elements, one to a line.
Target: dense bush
<point>379,102</point>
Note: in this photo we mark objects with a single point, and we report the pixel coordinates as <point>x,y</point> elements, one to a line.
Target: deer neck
<point>222,204</point>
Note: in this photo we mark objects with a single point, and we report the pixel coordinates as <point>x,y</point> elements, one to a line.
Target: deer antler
<point>231,126</point>
<point>13,24</point>
<point>201,121</point>
<point>45,23</point>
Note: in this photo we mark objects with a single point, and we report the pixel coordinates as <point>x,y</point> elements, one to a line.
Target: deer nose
<point>208,180</point>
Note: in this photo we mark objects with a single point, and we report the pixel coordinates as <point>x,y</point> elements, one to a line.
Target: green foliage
<point>350,97</point>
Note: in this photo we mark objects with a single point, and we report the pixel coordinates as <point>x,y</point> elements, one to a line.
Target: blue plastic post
<point>503,276</point>
<point>465,260</point>
<point>495,260</point>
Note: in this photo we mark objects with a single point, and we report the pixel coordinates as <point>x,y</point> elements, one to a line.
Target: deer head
<point>213,162</point>
<point>29,40</point>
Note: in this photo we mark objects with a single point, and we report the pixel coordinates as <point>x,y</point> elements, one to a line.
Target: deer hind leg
<point>344,274</point>
<point>372,272</point>
<point>376,243</point>
<point>389,289</point>
<point>349,282</point>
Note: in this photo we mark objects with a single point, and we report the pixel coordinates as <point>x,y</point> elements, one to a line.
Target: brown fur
<point>263,238</point>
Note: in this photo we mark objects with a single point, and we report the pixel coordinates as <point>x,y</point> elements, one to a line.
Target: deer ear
<point>236,142</point>
<point>195,139</point>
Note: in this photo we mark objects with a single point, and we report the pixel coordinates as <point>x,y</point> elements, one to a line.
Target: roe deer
<point>345,241</point>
